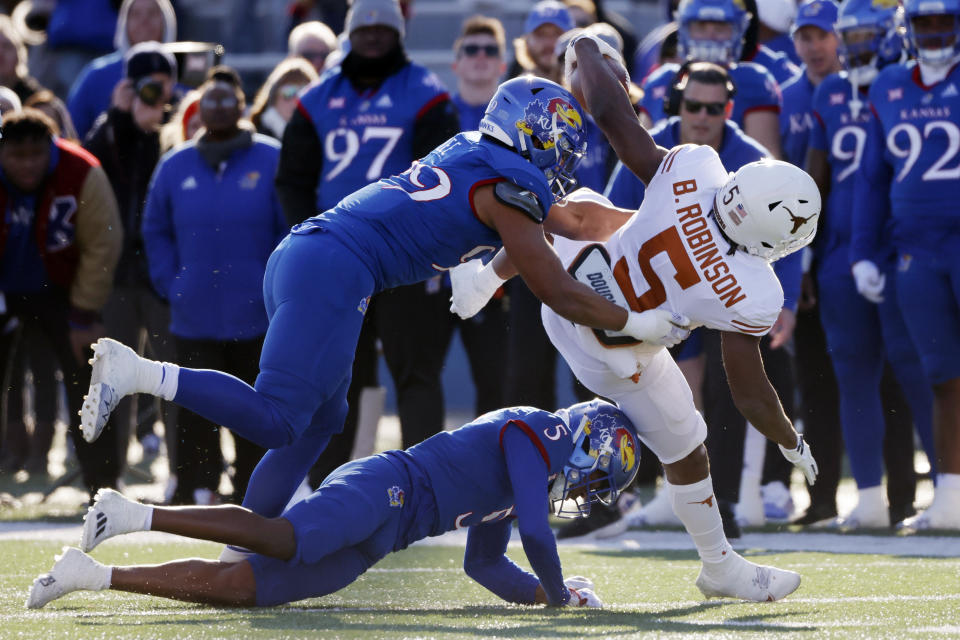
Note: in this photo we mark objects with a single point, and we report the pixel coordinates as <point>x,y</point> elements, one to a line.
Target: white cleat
<point>737,577</point>
<point>864,517</point>
<point>74,570</point>
<point>656,513</point>
<point>112,514</point>
<point>935,517</point>
<point>114,376</point>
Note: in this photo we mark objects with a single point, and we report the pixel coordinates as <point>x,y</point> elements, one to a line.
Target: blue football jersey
<point>756,89</point>
<point>778,64</point>
<point>411,226</point>
<point>783,43</point>
<point>366,135</point>
<point>470,483</point>
<point>919,130</point>
<point>470,114</point>
<point>840,130</point>
<point>796,119</point>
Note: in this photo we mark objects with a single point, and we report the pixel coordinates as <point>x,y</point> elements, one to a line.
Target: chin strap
<point>733,245</point>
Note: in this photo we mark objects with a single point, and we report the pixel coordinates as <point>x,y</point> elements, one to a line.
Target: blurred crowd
<point>168,187</point>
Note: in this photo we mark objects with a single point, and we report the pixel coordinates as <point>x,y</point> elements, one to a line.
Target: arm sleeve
<point>789,272</point>
<point>298,171</point>
<point>159,238</point>
<point>871,192</point>
<point>528,476</point>
<point>485,561</point>
<point>99,240</point>
<point>437,123</point>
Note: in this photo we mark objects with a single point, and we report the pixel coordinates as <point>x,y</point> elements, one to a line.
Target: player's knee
<point>693,467</point>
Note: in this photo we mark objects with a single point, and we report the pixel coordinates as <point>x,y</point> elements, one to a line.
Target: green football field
<point>891,591</point>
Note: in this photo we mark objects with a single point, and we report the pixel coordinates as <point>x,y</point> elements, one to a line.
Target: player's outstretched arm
<point>585,215</point>
<point>757,400</point>
<point>610,107</point>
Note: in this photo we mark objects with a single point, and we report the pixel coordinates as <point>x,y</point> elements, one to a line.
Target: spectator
<point>535,49</point>
<point>212,218</point>
<point>13,62</point>
<point>56,110</point>
<point>314,41</point>
<point>55,191</point>
<point>184,124</point>
<point>325,158</point>
<point>478,64</point>
<point>276,100</point>
<point>99,83</point>
<point>126,140</point>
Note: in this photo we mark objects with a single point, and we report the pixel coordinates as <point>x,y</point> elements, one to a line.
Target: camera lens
<point>150,91</point>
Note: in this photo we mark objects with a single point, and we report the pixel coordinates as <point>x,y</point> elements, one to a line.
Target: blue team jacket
<point>208,235</point>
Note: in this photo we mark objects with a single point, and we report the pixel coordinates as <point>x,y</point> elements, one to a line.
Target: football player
<point>700,245</point>
<point>474,193</point>
<point>508,465</point>
<point>862,330</point>
<point>911,157</point>
<point>713,31</point>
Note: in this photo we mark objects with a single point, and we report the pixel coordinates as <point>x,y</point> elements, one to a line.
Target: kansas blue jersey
<point>783,43</point>
<point>470,114</point>
<point>409,227</point>
<point>366,135</point>
<point>778,64</point>
<point>468,471</point>
<point>757,89</point>
<point>919,134</point>
<point>796,119</point>
<point>840,131</point>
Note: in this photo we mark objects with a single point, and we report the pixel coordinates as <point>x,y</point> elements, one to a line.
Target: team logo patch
<point>395,496</point>
<point>836,98</point>
<point>250,180</point>
<point>738,214</point>
<point>538,119</point>
<point>904,264</point>
<point>337,103</point>
<point>364,305</point>
<point>628,450</point>
<point>894,94</point>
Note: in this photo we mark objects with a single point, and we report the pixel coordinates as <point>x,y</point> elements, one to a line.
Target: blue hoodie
<point>208,235</point>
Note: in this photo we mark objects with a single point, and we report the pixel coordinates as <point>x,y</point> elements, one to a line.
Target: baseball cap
<point>816,13</point>
<point>367,13</point>
<point>148,57</point>
<point>548,12</point>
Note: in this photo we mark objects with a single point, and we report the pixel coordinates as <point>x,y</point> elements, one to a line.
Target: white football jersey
<point>671,255</point>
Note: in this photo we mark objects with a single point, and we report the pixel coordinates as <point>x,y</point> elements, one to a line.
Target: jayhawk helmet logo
<point>541,120</point>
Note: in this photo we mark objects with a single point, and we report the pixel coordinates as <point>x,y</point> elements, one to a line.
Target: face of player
<point>374,41</point>
<point>540,45</point>
<point>145,22</point>
<point>934,31</point>
<point>25,163</point>
<point>697,124</point>
<point>817,49</point>
<point>709,30</point>
<point>479,60</point>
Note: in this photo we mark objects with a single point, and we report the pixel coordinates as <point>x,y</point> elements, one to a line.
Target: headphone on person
<point>674,97</point>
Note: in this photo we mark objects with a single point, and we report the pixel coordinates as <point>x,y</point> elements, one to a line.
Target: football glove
<point>570,55</point>
<point>802,458</point>
<point>657,326</point>
<point>584,598</point>
<point>870,281</point>
<point>473,285</point>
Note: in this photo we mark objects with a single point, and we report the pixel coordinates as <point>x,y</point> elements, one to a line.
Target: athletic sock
<point>157,378</point>
<point>872,499</point>
<point>696,506</point>
<point>99,577</point>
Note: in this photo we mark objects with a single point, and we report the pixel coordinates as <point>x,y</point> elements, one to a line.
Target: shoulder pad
<point>519,198</point>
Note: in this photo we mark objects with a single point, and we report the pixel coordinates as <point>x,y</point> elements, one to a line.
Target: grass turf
<point>422,592</point>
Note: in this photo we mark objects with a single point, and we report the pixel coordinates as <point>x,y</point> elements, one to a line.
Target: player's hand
<point>783,328</point>
<point>658,326</point>
<point>802,458</point>
<point>578,582</point>
<point>584,598</point>
<point>473,285</point>
<point>870,281</point>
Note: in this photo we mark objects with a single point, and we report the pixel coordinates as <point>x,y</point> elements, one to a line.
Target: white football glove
<point>657,326</point>
<point>473,285</point>
<point>802,458</point>
<point>578,582</point>
<point>870,281</point>
<point>584,598</point>
<point>570,55</point>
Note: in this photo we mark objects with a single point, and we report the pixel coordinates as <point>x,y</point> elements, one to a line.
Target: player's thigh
<point>360,503</point>
<point>318,291</point>
<point>926,293</point>
<point>850,321</point>
<point>280,581</point>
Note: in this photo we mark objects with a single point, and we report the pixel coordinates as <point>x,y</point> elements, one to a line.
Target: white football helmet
<point>777,14</point>
<point>768,208</point>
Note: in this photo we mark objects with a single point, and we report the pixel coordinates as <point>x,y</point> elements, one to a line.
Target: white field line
<point>899,546</point>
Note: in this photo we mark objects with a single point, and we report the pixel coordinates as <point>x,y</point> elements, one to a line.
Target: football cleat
<point>656,513</point>
<point>112,514</point>
<point>936,516</point>
<point>74,570</point>
<point>737,577</point>
<point>114,376</point>
<point>864,517</point>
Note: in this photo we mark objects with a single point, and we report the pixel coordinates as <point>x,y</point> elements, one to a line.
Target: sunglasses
<point>319,54</point>
<point>471,50</point>
<point>289,91</point>
<point>713,108</point>
<point>212,102</point>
